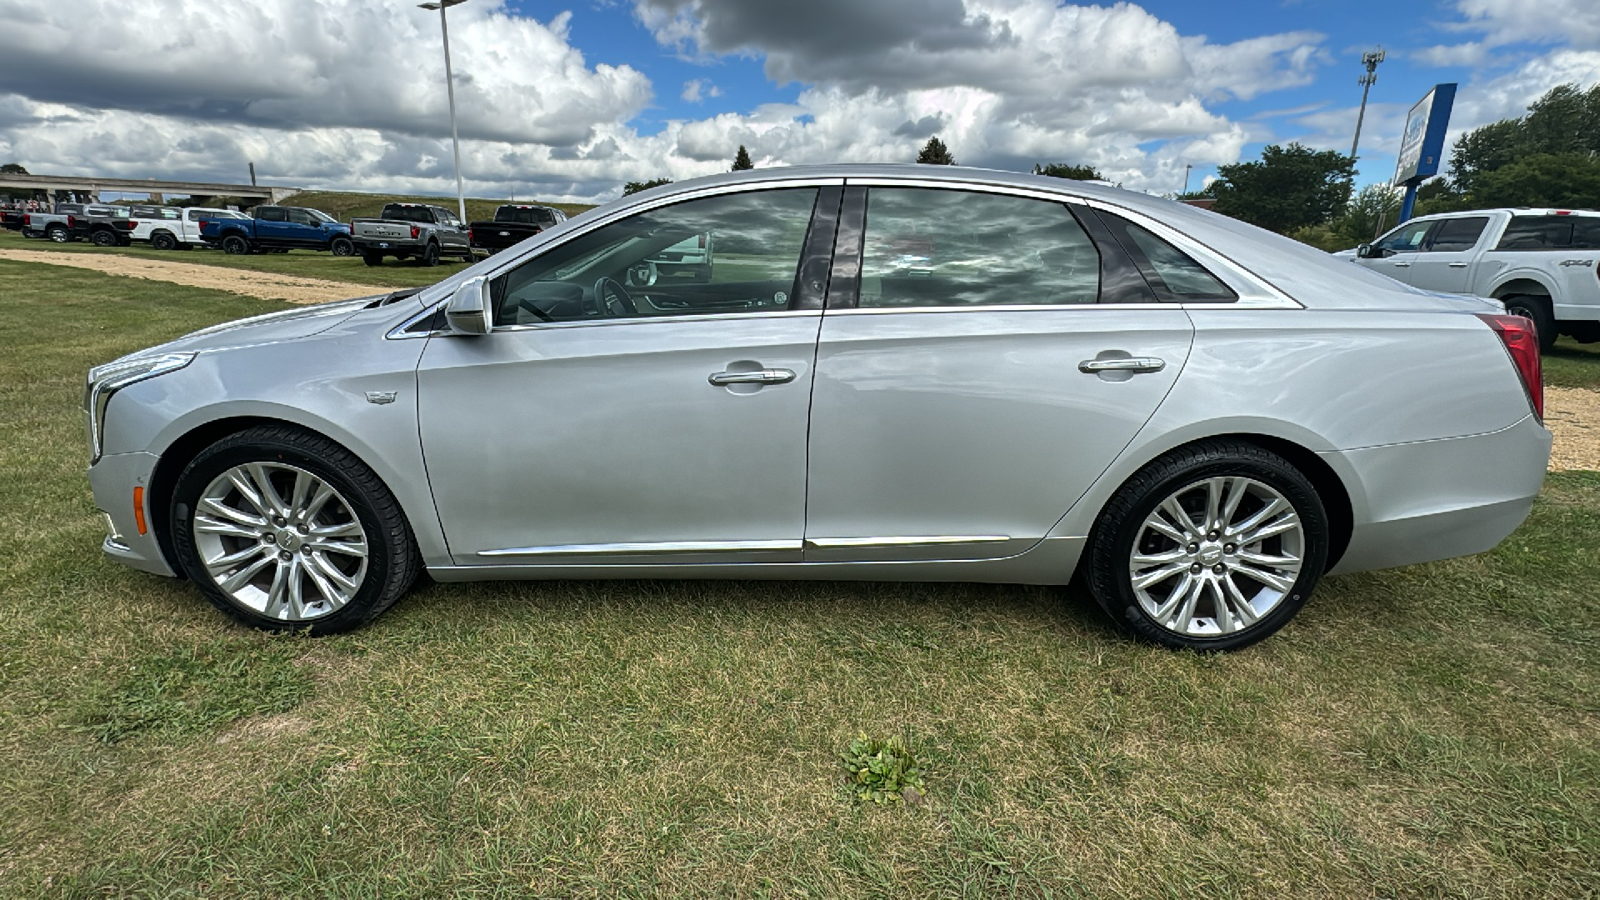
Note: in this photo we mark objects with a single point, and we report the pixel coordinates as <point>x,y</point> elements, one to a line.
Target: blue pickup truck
<point>280,229</point>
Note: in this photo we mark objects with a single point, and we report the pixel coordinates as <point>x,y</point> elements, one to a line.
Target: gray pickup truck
<point>411,230</point>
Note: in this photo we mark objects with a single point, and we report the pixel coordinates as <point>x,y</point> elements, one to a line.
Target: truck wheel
<point>1536,309</point>
<point>371,258</point>
<point>342,247</point>
<point>57,233</point>
<point>104,238</point>
<point>163,240</point>
<point>234,245</point>
<point>430,255</point>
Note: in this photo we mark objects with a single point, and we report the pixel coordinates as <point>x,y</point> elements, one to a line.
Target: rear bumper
<point>113,479</point>
<point>1433,500</point>
<point>390,245</point>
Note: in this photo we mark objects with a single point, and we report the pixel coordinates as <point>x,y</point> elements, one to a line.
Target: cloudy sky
<point>567,100</point>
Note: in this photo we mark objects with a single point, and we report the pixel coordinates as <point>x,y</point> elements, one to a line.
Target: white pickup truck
<point>1543,264</point>
<point>175,228</point>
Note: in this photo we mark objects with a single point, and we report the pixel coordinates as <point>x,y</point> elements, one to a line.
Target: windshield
<point>524,215</point>
<point>321,216</point>
<point>407,213</point>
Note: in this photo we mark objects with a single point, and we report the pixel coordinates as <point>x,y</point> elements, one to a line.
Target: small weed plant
<point>882,771</point>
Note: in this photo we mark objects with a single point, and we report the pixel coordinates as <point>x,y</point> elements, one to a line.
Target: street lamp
<point>450,88</point>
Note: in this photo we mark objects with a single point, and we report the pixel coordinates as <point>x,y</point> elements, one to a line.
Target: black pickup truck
<point>513,223</point>
<point>101,225</point>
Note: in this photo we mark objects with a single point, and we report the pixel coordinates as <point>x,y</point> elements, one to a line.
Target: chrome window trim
<point>397,332</point>
<point>653,320</point>
<point>1254,292</point>
<point>651,547</point>
<point>904,541</point>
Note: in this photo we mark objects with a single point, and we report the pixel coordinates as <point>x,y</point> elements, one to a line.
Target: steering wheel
<point>611,298</point>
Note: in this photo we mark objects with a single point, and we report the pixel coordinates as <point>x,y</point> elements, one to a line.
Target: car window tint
<point>301,217</point>
<point>1173,274</point>
<point>1405,240</point>
<point>1537,233</point>
<point>271,214</point>
<point>1586,233</point>
<point>929,247</point>
<point>732,253</point>
<point>1457,234</point>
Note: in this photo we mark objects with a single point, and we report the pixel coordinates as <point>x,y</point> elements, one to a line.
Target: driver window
<point>1406,240</point>
<point>732,253</point>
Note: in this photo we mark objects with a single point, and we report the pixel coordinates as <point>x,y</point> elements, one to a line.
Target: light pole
<point>450,88</point>
<point>1186,168</point>
<point>1370,60</point>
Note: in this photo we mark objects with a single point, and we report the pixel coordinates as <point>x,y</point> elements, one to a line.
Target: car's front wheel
<point>1212,547</point>
<point>286,530</point>
<point>340,246</point>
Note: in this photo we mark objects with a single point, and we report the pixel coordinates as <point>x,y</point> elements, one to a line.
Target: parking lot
<point>1422,731</point>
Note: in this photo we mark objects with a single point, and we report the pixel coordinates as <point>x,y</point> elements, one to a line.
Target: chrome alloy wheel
<point>280,541</point>
<point>1216,556</point>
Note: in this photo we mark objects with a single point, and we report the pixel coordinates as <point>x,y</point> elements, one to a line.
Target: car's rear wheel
<point>163,240</point>
<point>1538,311</point>
<point>1212,547</point>
<point>57,233</point>
<point>104,238</point>
<point>285,530</point>
<point>342,247</point>
<point>234,245</point>
<point>371,258</point>
<point>430,255</point>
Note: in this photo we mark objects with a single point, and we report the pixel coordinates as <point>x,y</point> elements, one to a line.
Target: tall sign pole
<point>1370,60</point>
<point>1422,145</point>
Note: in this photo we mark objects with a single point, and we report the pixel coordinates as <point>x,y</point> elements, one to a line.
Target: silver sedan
<point>894,373</point>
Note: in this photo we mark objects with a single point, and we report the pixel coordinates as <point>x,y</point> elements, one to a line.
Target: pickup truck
<point>279,228</point>
<point>406,230</point>
<point>512,224</point>
<point>175,228</point>
<point>1543,264</point>
<point>11,219</point>
<point>103,226</point>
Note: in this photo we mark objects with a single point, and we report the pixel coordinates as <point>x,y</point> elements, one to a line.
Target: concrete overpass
<point>54,185</point>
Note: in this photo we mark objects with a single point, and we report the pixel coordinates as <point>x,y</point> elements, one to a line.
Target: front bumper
<point>113,480</point>
<point>1433,500</point>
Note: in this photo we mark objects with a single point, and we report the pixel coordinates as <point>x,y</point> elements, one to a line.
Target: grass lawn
<point>1422,732</point>
<point>1571,364</point>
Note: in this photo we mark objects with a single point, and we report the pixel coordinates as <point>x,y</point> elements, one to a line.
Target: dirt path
<point>1573,415</point>
<point>266,285</point>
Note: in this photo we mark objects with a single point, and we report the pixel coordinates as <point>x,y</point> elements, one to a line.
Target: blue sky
<point>568,100</point>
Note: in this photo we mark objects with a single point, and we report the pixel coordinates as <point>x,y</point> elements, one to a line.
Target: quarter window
<point>928,247</point>
<point>732,253</point>
<point>1172,274</point>
<point>1457,234</point>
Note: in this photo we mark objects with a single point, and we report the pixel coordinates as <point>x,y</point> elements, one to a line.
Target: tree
<point>1564,122</point>
<point>1287,189</point>
<point>1547,179</point>
<point>13,169</point>
<point>634,187</point>
<point>935,153</point>
<point>741,160</point>
<point>1062,170</point>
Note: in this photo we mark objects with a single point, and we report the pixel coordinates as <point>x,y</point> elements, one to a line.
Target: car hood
<point>287,325</point>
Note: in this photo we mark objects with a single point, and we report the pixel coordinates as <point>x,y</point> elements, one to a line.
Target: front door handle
<point>1458,265</point>
<point>1125,364</point>
<point>1402,265</point>
<point>759,376</point>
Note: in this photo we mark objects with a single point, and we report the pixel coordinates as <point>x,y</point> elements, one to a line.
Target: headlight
<point>114,376</point>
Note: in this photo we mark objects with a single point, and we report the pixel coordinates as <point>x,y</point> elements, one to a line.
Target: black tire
<point>104,238</point>
<point>430,255</point>
<point>235,245</point>
<point>1537,310</point>
<point>1122,522</point>
<point>342,246</point>
<point>58,234</point>
<point>371,258</point>
<point>163,240</point>
<point>393,560</point>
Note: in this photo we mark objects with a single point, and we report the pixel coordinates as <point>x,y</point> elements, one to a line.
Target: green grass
<point>1574,365</point>
<point>1429,731</point>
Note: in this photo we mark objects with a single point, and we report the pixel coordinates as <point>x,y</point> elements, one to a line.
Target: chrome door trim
<point>762,376</point>
<point>904,541</point>
<point>648,547</point>
<point>1125,364</point>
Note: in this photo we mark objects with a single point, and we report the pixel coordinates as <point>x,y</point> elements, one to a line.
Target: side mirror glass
<point>1367,251</point>
<point>471,308</point>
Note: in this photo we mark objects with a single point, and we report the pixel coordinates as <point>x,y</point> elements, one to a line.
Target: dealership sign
<point>1423,144</point>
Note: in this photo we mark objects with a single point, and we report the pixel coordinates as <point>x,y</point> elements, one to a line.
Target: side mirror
<point>471,308</point>
<point>1365,251</point>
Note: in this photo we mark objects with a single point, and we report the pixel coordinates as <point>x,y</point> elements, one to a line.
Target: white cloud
<point>697,90</point>
<point>1573,23</point>
<point>1471,53</point>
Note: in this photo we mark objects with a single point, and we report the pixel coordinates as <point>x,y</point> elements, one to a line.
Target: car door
<point>973,375</point>
<point>273,228</point>
<point>1396,252</point>
<point>1445,263</point>
<point>306,230</point>
<point>602,423</point>
<point>452,234</point>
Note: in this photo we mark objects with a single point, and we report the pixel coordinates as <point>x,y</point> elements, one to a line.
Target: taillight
<point>132,224</point>
<point>471,239</point>
<point>702,241</point>
<point>71,222</point>
<point>1522,342</point>
<point>27,220</point>
<point>414,231</point>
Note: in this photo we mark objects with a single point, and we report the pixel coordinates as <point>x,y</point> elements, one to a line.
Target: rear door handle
<point>1402,265</point>
<point>759,376</point>
<point>1126,364</point>
<point>1458,265</point>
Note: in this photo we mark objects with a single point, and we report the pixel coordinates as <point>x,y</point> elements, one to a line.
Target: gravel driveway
<point>266,285</point>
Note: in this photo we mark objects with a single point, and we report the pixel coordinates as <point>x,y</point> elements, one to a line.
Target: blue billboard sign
<point>1422,146</point>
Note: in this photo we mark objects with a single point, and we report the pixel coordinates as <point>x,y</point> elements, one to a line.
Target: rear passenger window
<point>1172,274</point>
<point>272,214</point>
<point>1537,233</point>
<point>1586,233</point>
<point>929,247</point>
<point>1457,234</point>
